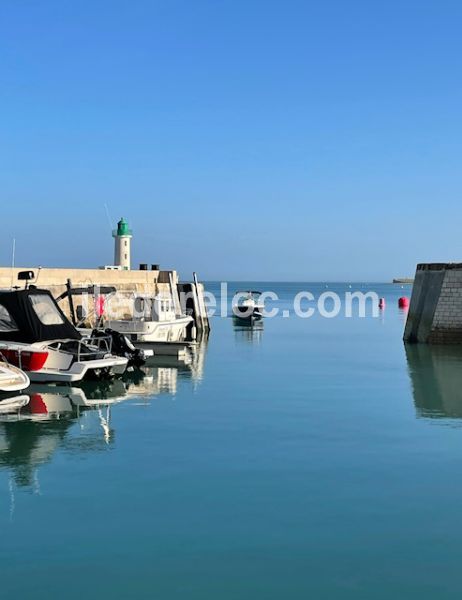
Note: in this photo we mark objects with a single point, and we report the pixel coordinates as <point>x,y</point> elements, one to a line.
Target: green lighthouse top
<point>122,228</point>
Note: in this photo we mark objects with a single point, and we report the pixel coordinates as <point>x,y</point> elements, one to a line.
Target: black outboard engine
<point>122,346</point>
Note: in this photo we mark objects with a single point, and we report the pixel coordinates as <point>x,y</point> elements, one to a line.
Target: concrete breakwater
<point>435,312</point>
<point>128,284</point>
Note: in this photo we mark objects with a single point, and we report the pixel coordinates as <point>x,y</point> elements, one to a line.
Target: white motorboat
<point>154,321</point>
<point>37,337</point>
<point>248,307</point>
<point>12,379</point>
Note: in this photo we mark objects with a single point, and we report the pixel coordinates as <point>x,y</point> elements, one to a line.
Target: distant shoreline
<point>409,281</point>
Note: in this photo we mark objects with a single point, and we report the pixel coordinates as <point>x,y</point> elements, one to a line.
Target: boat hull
<point>151,332</point>
<point>244,313</point>
<point>104,368</point>
<point>12,379</point>
<point>56,366</point>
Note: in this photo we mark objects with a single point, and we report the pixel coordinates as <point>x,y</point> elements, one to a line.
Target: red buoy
<point>403,302</point>
<point>382,303</point>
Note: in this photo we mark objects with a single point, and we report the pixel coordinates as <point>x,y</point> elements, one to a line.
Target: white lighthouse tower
<point>122,238</point>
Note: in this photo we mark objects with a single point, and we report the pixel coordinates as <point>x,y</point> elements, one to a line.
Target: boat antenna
<point>38,274</point>
<point>108,217</point>
<point>13,256</point>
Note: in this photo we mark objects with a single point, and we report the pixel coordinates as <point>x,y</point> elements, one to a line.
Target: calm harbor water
<point>300,458</point>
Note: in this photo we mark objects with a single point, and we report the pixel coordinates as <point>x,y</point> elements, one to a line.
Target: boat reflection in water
<point>30,436</point>
<point>10,408</point>
<point>162,373</point>
<point>436,376</point>
<point>78,418</point>
<point>248,332</point>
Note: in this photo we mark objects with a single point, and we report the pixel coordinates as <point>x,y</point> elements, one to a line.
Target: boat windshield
<point>248,293</point>
<point>7,323</point>
<point>45,309</point>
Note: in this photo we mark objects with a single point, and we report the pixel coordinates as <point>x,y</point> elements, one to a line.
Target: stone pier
<point>435,312</point>
<point>126,283</point>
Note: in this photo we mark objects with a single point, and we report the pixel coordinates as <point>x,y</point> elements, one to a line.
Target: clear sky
<point>272,140</point>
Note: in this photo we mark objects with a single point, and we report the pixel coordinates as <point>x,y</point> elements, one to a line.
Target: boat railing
<point>3,358</point>
<point>94,345</point>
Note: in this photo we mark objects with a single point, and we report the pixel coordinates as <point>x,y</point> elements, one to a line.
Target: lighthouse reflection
<point>436,376</point>
<point>79,419</point>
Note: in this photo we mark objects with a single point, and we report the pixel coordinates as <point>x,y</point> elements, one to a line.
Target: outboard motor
<point>122,346</point>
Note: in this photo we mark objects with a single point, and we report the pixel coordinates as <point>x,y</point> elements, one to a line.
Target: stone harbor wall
<point>435,312</point>
<point>447,322</point>
<point>127,283</point>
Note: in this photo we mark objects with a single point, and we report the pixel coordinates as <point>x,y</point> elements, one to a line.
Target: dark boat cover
<point>32,315</point>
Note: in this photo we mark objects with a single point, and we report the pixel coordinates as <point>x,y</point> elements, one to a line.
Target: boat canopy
<point>32,315</point>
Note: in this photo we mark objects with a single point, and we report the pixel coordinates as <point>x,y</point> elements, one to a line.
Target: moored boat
<point>248,307</point>
<point>37,337</point>
<point>155,321</point>
<point>156,325</point>
<point>12,379</point>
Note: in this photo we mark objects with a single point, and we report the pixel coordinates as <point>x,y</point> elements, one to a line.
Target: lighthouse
<point>122,240</point>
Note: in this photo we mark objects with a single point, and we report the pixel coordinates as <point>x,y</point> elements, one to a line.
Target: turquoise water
<point>302,459</point>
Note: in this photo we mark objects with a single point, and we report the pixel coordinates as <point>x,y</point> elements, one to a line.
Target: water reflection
<point>78,418</point>
<point>247,332</point>
<point>46,423</point>
<point>11,407</point>
<point>436,375</point>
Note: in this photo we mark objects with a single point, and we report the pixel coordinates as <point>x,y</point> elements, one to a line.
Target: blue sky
<point>249,139</point>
